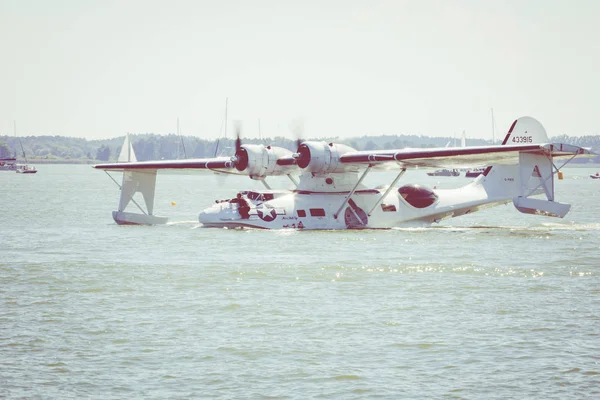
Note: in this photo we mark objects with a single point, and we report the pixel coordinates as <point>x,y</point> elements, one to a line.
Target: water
<point>496,304</point>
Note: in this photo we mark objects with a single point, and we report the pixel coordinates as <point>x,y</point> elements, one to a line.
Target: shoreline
<point>92,162</point>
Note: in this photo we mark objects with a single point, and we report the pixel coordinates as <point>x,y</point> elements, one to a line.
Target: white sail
<point>127,154</point>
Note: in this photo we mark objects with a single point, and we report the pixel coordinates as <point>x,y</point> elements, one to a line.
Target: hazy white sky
<point>98,69</point>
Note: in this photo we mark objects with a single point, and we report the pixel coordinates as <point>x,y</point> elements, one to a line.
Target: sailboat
<point>23,168</point>
<point>475,172</point>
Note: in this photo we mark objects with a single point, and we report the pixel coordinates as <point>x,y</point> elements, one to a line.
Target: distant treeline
<point>155,147</point>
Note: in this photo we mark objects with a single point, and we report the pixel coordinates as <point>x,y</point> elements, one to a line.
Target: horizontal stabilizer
<point>128,218</point>
<point>541,207</point>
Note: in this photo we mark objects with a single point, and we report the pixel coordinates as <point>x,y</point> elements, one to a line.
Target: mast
<point>217,146</point>
<point>181,139</point>
<point>20,142</point>
<point>226,101</point>
<point>493,133</point>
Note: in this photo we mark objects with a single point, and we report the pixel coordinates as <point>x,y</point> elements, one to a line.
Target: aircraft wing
<point>459,157</point>
<point>219,164</point>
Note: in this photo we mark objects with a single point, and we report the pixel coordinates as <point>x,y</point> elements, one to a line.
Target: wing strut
<point>402,171</point>
<point>135,181</point>
<point>294,181</point>
<point>337,213</point>
<point>131,198</point>
<point>264,181</point>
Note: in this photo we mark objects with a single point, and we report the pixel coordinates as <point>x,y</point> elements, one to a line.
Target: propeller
<point>238,135</point>
<point>296,126</point>
<point>302,154</point>
<point>240,159</point>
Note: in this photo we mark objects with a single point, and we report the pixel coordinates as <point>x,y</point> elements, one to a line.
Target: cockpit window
<point>418,196</point>
<point>256,196</point>
<point>253,195</point>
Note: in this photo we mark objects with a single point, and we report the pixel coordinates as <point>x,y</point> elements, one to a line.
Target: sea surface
<point>492,305</point>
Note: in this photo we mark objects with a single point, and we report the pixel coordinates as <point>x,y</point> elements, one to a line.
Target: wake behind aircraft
<point>328,179</point>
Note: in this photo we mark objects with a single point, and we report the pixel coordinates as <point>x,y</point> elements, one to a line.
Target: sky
<point>100,69</point>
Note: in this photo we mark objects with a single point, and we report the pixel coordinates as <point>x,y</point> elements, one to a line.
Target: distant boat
<point>597,176</point>
<point>444,172</point>
<point>25,169</point>
<point>8,164</point>
<point>474,173</point>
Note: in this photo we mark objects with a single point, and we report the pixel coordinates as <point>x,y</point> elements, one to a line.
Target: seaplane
<point>327,190</point>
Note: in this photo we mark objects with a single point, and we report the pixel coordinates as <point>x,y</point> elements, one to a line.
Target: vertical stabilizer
<point>534,175</point>
<point>525,130</point>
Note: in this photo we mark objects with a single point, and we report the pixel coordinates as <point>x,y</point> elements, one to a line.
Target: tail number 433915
<point>522,139</point>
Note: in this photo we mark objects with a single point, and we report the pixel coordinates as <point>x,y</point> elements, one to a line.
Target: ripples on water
<point>491,305</point>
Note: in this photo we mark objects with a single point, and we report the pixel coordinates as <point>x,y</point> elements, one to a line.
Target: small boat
<point>8,164</point>
<point>474,173</point>
<point>597,176</point>
<point>25,169</point>
<point>444,172</point>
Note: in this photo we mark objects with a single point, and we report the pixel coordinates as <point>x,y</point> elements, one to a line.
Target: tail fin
<point>534,175</point>
<point>525,130</point>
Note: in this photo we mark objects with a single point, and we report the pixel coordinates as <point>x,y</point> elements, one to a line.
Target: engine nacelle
<point>260,161</point>
<point>322,158</point>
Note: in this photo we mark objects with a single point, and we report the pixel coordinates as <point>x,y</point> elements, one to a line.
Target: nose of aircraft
<point>209,215</point>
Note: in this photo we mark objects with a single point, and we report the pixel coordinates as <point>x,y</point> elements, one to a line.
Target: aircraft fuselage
<point>365,209</point>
